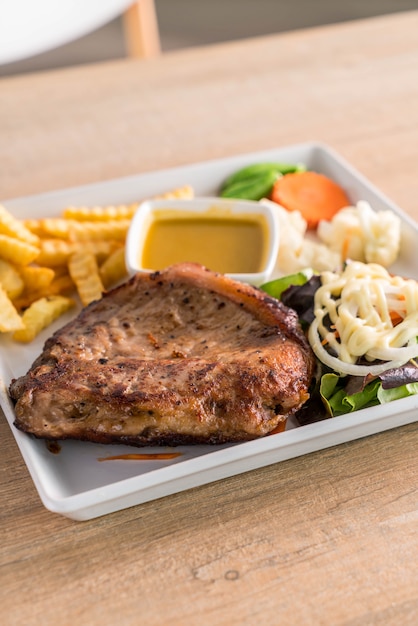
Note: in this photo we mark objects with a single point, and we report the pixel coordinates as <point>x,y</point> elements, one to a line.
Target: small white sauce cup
<point>225,207</point>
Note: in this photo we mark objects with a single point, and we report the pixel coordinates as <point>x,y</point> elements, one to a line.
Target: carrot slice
<point>395,318</point>
<point>316,196</point>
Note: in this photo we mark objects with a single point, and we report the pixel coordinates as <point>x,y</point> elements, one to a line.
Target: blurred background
<point>188,23</point>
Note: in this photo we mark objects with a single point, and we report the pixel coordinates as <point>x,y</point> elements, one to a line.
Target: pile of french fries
<point>47,263</point>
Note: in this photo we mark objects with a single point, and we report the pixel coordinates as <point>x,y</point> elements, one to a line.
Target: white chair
<point>30,27</point>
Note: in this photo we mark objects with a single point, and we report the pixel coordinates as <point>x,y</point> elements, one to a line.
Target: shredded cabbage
<point>364,312</point>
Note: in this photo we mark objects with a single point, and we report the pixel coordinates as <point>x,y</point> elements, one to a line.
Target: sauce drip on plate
<point>147,456</point>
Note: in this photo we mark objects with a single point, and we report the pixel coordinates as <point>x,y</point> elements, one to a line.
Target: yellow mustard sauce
<point>231,244</point>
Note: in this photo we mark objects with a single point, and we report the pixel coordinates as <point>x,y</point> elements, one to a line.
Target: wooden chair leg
<point>141,29</point>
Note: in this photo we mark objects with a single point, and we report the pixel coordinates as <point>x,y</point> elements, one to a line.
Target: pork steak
<point>184,355</point>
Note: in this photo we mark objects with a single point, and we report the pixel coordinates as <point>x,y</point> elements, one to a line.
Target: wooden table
<point>329,538</point>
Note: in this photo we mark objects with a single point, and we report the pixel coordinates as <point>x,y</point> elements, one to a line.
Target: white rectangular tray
<point>74,483</point>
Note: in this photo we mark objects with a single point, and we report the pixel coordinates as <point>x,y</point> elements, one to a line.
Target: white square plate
<point>74,483</point>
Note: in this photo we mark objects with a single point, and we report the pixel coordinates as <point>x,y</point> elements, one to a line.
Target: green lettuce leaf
<point>338,402</point>
<point>277,286</point>
<point>388,395</point>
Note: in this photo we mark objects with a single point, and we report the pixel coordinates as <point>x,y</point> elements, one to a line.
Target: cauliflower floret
<point>318,256</point>
<point>361,234</point>
<point>344,234</point>
<point>296,251</point>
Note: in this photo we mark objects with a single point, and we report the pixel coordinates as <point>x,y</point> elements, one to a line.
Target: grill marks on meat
<point>178,356</point>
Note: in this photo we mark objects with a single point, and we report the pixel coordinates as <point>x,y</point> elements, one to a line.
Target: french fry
<point>72,230</point>
<point>122,211</point>
<point>35,227</point>
<point>114,268</point>
<point>185,192</point>
<point>17,251</point>
<point>100,213</point>
<point>93,231</point>
<point>35,277</point>
<point>56,252</point>
<point>13,227</point>
<point>53,252</point>
<point>56,227</point>
<point>10,279</point>
<point>60,285</point>
<point>85,274</point>
<point>100,249</point>
<point>41,314</point>
<point>10,319</point>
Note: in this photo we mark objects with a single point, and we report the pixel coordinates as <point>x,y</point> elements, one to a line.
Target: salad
<point>361,321</point>
<point>362,324</point>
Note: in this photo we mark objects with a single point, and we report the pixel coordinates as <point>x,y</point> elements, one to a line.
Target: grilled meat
<point>184,355</point>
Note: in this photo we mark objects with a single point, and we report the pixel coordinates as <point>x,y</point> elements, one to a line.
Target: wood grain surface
<point>330,538</point>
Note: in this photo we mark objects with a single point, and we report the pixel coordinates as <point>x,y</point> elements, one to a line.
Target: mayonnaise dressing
<point>363,311</point>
